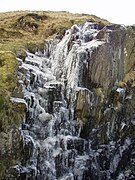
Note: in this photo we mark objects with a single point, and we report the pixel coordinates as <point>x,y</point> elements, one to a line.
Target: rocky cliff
<point>79,98</point>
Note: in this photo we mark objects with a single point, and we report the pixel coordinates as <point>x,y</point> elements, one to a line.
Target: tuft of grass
<point>8,70</point>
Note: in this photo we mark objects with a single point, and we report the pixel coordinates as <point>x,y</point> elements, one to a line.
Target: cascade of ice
<point>52,146</point>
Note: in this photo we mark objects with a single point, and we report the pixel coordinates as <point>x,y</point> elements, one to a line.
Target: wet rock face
<point>80,98</point>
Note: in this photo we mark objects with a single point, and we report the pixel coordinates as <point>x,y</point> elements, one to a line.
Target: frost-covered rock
<point>80,106</point>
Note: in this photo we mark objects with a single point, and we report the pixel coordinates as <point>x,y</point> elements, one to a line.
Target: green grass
<point>8,70</point>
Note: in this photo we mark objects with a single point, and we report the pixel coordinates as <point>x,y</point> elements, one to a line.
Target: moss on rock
<point>11,114</point>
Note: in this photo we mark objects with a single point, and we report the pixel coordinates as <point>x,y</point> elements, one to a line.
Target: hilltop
<point>27,30</point>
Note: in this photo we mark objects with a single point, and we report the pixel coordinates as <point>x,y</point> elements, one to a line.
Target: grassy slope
<point>16,35</point>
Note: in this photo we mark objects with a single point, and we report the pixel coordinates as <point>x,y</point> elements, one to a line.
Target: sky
<point>116,11</point>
